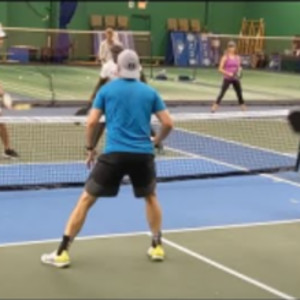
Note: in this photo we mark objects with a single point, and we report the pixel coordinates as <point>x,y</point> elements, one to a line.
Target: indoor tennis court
<point>228,182</point>
<point>227,238</point>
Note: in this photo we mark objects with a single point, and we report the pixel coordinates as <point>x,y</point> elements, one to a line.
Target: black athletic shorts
<point>106,177</point>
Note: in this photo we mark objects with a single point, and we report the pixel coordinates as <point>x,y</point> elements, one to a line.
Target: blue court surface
<point>39,215</point>
<point>208,225</point>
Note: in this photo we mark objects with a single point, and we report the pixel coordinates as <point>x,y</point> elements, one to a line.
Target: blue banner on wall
<point>193,49</point>
<point>179,49</point>
<point>275,62</point>
<point>63,41</point>
<point>205,51</point>
<point>188,49</point>
<point>66,12</point>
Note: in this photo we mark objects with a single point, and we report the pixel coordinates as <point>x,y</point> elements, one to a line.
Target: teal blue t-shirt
<point>128,106</point>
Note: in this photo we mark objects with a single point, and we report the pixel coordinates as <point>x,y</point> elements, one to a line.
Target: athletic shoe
<point>243,107</point>
<point>214,107</point>
<point>59,261</point>
<point>10,153</point>
<point>157,253</point>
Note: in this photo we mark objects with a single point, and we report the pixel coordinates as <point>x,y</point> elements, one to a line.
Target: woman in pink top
<point>230,66</point>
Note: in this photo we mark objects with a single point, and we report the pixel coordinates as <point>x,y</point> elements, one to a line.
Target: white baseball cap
<point>2,33</point>
<point>129,65</point>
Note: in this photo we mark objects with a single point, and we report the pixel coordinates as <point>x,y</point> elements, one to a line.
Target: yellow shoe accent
<point>157,253</point>
<point>59,261</point>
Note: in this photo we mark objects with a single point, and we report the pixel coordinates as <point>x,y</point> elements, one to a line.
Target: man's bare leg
<point>154,217</point>
<point>76,220</point>
<point>60,258</point>
<point>4,136</point>
<point>8,152</point>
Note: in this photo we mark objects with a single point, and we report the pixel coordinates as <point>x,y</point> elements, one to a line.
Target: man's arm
<point>83,111</point>
<point>99,84</point>
<point>92,122</point>
<point>167,125</point>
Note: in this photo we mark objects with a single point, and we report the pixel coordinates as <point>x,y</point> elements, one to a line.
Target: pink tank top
<point>231,65</point>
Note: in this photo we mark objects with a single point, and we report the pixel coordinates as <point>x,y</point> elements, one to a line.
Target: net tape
<point>176,116</point>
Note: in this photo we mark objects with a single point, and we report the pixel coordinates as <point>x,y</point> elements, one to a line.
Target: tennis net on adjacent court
<point>52,149</point>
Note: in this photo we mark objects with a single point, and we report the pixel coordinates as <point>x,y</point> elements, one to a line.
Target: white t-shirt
<point>104,53</point>
<point>109,70</point>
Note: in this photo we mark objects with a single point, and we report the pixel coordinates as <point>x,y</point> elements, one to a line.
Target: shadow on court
<point>117,267</point>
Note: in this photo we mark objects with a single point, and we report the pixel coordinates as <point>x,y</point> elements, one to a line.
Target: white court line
<point>229,141</point>
<point>139,233</point>
<point>236,167</point>
<point>228,270</point>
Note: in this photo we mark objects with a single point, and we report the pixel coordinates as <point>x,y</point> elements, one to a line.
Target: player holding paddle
<point>8,151</point>
<point>109,71</point>
<point>230,67</point>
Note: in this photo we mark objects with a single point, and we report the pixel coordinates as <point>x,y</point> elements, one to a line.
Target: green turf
<point>268,254</point>
<point>117,268</point>
<point>77,83</point>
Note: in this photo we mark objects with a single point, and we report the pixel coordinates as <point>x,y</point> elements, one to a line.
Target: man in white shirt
<point>4,137</point>
<point>105,53</point>
<point>109,71</point>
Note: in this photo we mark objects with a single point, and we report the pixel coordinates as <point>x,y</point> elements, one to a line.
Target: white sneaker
<point>59,261</point>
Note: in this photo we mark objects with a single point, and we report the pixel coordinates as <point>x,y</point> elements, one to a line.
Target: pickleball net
<point>52,149</point>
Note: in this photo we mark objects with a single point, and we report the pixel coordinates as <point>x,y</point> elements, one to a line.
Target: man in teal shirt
<point>128,105</point>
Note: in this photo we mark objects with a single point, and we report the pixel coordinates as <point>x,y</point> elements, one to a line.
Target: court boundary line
<point>230,141</point>
<point>167,231</point>
<point>228,270</point>
<point>236,167</point>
